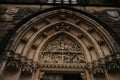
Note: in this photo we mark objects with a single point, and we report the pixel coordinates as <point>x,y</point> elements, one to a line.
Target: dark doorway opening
<point>72,77</point>
<point>66,76</point>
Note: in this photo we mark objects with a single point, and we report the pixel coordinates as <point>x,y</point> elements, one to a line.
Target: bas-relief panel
<point>62,50</point>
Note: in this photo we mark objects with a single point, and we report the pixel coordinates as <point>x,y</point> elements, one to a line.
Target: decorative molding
<point>90,29</point>
<point>62,16</point>
<point>62,10</point>
<point>24,40</point>
<point>62,27</point>
<point>80,35</point>
<point>62,66</point>
<point>112,63</point>
<point>101,42</point>
<point>47,20</point>
<point>90,47</point>
<point>27,68</point>
<point>78,22</point>
<point>35,46</point>
<point>45,34</point>
<point>109,62</point>
<point>97,68</point>
<point>34,28</point>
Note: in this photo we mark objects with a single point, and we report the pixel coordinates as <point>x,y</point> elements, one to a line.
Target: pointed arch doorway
<point>59,40</point>
<point>61,51</point>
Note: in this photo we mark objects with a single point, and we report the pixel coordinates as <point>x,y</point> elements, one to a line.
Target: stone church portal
<point>60,43</point>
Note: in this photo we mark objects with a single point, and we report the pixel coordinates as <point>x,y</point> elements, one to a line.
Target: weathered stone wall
<point>113,23</point>
<point>9,17</point>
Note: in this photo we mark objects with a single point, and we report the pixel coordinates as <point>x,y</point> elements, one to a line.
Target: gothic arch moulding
<point>61,39</point>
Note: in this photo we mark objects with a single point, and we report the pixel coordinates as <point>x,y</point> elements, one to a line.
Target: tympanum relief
<point>62,50</point>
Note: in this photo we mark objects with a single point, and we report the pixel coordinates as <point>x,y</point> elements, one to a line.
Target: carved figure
<point>61,50</point>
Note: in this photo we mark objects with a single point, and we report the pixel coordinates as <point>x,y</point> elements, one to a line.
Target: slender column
<point>106,74</point>
<point>41,75</point>
<point>19,73</point>
<point>2,67</point>
<point>91,74</point>
<point>3,73</point>
<point>36,75</point>
<point>90,71</point>
<point>83,76</point>
<point>87,75</point>
<point>33,75</point>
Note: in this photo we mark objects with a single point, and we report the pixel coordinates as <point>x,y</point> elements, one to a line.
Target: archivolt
<point>93,38</point>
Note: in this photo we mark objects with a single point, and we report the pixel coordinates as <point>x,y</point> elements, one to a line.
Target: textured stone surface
<point>113,23</point>
<point>9,19</point>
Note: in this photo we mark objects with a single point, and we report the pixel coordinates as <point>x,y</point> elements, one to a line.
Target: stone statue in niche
<point>62,50</point>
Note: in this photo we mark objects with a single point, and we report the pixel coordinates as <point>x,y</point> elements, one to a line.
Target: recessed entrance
<point>72,77</point>
<point>62,77</point>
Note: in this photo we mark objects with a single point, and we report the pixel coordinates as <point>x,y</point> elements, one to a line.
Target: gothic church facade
<point>59,40</point>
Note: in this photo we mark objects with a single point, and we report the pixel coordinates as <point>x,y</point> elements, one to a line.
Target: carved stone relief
<point>61,58</point>
<point>62,50</point>
<point>61,43</point>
